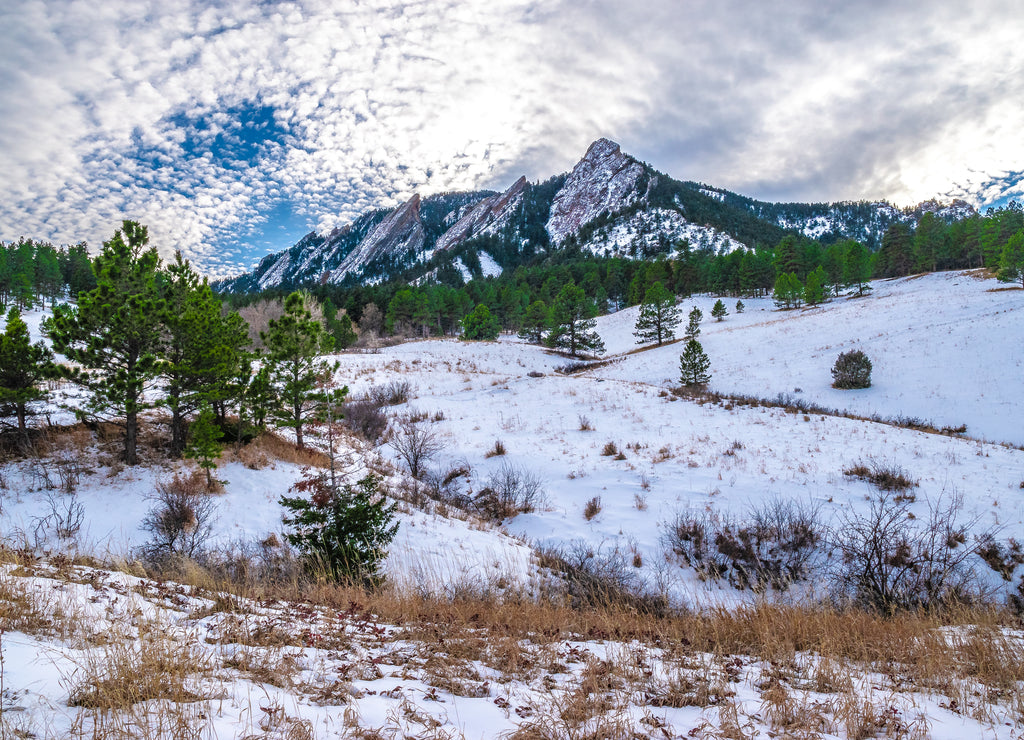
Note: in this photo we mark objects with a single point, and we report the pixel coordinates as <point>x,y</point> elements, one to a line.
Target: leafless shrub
<point>415,444</point>
<point>364,417</point>
<point>181,521</point>
<point>450,485</point>
<point>691,536</point>
<point>1001,557</point>
<point>510,490</point>
<point>585,424</point>
<point>64,521</point>
<point>391,394</point>
<point>775,547</point>
<point>590,578</point>
<point>609,449</point>
<point>592,509</point>
<point>891,562</point>
<point>68,465</point>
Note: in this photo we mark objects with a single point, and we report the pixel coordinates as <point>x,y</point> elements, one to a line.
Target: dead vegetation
<point>580,661</point>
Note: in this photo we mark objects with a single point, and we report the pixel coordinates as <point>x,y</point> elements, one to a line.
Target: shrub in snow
<point>891,562</point>
<point>415,445</point>
<point>852,370</point>
<point>510,490</point>
<point>364,417</point>
<point>779,544</point>
<point>181,521</point>
<point>342,531</point>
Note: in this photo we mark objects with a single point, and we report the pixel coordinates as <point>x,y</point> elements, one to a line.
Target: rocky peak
<point>604,180</point>
<point>484,217</point>
<point>401,232</point>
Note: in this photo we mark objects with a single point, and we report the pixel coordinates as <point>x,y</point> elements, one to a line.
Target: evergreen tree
<point>1011,259</point>
<point>114,332</point>
<point>536,322</point>
<point>739,306</point>
<point>480,325</point>
<point>857,271</point>
<point>694,365</point>
<point>814,291</point>
<point>788,291</point>
<point>342,531</point>
<point>693,323</point>
<point>294,343</point>
<point>658,316</point>
<point>203,351</point>
<point>23,366</point>
<point>572,323</point>
<point>719,311</point>
<point>204,443</point>
<point>260,398</point>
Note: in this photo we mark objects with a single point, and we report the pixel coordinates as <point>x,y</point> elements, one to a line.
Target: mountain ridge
<point>609,204</point>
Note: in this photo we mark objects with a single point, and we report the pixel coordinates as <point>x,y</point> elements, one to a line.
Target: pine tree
<point>1011,259</point>
<point>857,270</point>
<point>342,531</point>
<point>294,343</point>
<point>259,398</point>
<point>23,366</point>
<point>719,311</point>
<point>814,291</point>
<point>536,322</point>
<point>788,290</point>
<point>693,324</point>
<point>572,323</point>
<point>694,364</point>
<point>114,332</point>
<point>739,307</point>
<point>658,316</point>
<point>480,325</point>
<point>204,444</point>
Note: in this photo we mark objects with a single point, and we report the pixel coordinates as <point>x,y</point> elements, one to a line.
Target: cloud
<point>231,129</point>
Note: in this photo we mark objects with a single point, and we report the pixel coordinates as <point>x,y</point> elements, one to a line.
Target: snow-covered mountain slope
<point>485,217</point>
<point>609,204</point>
<point>604,181</point>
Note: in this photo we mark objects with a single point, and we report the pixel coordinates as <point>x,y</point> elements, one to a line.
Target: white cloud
<point>381,99</point>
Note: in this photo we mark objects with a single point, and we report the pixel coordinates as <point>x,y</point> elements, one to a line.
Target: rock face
<point>399,233</point>
<point>653,213</point>
<point>486,217</point>
<point>604,180</point>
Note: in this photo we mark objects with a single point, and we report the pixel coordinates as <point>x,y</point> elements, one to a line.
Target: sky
<point>233,128</point>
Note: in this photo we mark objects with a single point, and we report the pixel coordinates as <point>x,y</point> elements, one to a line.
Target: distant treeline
<point>610,283</point>
<point>32,272</point>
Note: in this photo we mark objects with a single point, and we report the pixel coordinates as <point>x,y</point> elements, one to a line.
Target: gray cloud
<point>373,101</point>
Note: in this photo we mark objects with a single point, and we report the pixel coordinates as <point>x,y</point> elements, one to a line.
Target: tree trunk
<point>131,433</point>
<point>177,432</point>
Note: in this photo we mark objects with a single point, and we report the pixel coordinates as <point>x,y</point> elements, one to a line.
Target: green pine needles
<point>204,445</point>
<point>342,531</point>
<point>694,365</point>
<point>658,316</point>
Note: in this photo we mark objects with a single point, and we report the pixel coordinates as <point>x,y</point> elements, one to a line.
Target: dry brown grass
<point>155,663</point>
<point>269,446</point>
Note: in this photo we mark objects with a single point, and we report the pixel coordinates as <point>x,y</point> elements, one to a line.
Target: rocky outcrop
<point>604,180</point>
<point>485,217</point>
<point>401,232</point>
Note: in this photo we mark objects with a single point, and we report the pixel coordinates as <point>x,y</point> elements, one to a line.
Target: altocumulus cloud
<point>232,128</point>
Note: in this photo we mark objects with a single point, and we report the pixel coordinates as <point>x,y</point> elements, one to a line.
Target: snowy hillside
<point>618,457</point>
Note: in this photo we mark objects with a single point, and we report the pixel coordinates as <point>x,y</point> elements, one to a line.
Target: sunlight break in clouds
<point>232,129</point>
